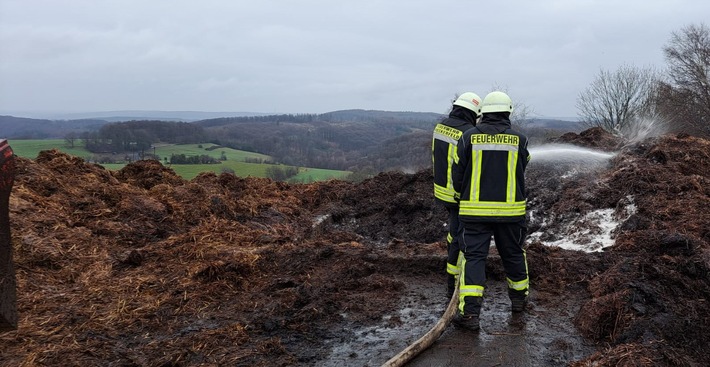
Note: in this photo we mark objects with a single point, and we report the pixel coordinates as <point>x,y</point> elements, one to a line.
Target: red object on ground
<point>8,297</point>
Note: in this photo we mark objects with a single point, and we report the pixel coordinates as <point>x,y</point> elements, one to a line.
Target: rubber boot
<point>518,300</point>
<point>468,322</point>
<point>470,318</point>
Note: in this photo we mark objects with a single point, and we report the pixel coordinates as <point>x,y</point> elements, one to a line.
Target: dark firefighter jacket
<point>443,151</point>
<point>490,174</point>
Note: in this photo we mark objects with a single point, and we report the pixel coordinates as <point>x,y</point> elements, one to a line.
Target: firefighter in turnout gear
<point>490,176</point>
<point>464,113</point>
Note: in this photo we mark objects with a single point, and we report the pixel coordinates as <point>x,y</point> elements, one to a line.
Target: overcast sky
<point>315,56</point>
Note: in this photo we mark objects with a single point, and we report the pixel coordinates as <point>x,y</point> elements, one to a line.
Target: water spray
<point>567,153</point>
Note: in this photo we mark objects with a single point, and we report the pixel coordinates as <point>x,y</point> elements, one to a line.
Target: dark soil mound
<point>141,268</point>
<point>650,304</point>
<point>595,137</point>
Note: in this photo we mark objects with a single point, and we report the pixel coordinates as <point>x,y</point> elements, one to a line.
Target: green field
<point>190,171</point>
<point>30,148</point>
<point>307,175</point>
<point>235,159</point>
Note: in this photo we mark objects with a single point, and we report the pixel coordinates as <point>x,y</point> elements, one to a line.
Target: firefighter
<point>490,176</point>
<point>464,113</point>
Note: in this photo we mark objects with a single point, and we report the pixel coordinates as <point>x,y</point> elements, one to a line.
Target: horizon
<point>79,115</point>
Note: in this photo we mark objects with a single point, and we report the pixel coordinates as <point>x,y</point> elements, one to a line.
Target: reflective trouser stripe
<point>455,269</point>
<point>519,285</point>
<point>466,290</point>
<point>524,284</point>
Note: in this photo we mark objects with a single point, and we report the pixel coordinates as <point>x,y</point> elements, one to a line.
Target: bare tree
<point>70,138</point>
<point>616,100</point>
<point>522,113</point>
<point>686,100</point>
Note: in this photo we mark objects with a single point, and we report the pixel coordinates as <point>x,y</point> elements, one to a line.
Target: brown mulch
<point>595,137</point>
<point>142,268</point>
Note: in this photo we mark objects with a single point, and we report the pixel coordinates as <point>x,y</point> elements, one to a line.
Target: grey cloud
<point>317,55</point>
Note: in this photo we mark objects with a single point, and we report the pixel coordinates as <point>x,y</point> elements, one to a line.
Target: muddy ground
<point>142,268</point>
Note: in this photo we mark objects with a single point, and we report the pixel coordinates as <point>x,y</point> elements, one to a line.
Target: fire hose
<point>429,338</point>
<point>8,297</point>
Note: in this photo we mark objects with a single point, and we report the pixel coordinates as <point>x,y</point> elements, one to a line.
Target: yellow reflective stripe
<point>450,159</point>
<point>452,269</point>
<point>446,139</point>
<point>495,140</point>
<point>444,190</point>
<point>468,291</point>
<point>491,208</point>
<point>513,148</point>
<point>471,290</point>
<point>449,238</point>
<point>512,164</point>
<point>522,284</point>
<point>519,285</point>
<point>476,158</point>
<point>448,132</point>
<point>464,289</point>
<point>492,212</point>
<point>445,194</point>
<point>491,204</point>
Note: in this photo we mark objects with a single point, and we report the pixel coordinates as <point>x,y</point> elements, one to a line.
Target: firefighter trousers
<point>453,250</point>
<point>475,244</point>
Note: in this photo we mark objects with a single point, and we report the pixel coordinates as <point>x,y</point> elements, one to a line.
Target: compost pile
<point>141,268</point>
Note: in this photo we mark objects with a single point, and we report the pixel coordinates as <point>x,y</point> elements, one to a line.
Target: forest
<point>363,141</point>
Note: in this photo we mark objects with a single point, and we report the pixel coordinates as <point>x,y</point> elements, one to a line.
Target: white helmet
<point>469,100</point>
<point>497,102</point>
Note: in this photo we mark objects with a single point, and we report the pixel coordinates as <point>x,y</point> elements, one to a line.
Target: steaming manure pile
<point>139,267</point>
<point>649,299</point>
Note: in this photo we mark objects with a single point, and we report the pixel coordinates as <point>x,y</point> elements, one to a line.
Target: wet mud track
<point>540,336</point>
<point>543,335</point>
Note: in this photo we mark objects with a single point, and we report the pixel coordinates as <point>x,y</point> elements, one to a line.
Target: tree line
<point>139,136</point>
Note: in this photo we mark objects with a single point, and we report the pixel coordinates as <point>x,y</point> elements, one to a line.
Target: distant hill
<point>384,116</point>
<point>334,140</point>
<point>356,139</point>
<point>28,128</point>
<point>128,115</point>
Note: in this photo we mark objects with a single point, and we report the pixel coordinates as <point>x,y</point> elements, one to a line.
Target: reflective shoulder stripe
<point>446,139</point>
<point>497,139</point>
<point>447,134</point>
<point>510,148</point>
<point>448,131</point>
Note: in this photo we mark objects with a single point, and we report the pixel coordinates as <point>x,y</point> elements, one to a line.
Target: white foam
<point>591,232</point>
